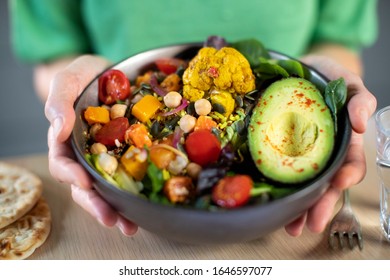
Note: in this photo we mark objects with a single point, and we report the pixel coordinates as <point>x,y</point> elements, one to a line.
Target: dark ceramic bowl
<point>201,226</point>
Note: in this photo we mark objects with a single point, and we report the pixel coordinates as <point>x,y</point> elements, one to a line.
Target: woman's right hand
<point>65,87</point>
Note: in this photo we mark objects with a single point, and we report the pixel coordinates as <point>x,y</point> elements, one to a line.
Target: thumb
<point>66,86</point>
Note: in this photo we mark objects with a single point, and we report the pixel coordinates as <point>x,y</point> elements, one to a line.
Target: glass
<point>382,123</point>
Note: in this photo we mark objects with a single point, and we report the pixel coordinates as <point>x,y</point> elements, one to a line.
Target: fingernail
<point>101,222</point>
<point>126,230</point>
<point>57,126</point>
<point>121,228</point>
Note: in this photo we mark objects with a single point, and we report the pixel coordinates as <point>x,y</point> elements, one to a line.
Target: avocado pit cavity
<point>292,134</point>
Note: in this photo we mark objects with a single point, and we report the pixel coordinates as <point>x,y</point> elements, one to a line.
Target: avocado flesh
<point>291,132</point>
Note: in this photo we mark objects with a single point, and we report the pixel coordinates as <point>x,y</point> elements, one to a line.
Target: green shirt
<point>46,29</point>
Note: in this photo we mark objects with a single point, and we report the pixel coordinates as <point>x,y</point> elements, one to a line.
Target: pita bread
<point>20,239</point>
<point>19,192</point>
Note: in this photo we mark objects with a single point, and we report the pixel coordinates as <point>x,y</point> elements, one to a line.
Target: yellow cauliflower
<point>222,70</point>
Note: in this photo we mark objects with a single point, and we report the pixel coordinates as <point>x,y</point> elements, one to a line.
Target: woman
<point>55,35</point>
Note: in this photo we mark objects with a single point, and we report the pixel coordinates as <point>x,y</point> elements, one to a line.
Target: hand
<point>64,90</point>
<point>361,105</point>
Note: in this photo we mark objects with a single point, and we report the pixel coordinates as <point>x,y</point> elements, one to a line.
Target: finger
<point>64,90</point>
<point>295,228</point>
<point>127,227</point>
<point>353,169</point>
<point>351,173</point>
<point>361,105</point>
<point>330,68</point>
<point>90,201</point>
<point>62,165</point>
<point>319,215</point>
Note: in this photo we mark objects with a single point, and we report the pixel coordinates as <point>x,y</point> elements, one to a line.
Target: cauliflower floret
<point>192,93</point>
<point>222,70</point>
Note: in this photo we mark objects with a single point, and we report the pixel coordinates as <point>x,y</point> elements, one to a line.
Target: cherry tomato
<point>114,129</point>
<point>113,86</point>
<point>202,147</point>
<point>169,65</point>
<point>232,191</point>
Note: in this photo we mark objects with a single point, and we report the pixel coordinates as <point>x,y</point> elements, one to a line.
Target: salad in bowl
<point>208,128</point>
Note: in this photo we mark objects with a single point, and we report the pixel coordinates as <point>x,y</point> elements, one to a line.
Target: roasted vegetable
<point>171,83</point>
<point>135,162</point>
<point>97,115</point>
<point>161,156</point>
<point>204,122</point>
<point>113,132</point>
<point>179,189</point>
<point>223,102</point>
<point>138,135</point>
<point>145,108</point>
<point>225,69</point>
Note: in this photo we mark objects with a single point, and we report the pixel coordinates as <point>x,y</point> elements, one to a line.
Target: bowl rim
<point>337,158</point>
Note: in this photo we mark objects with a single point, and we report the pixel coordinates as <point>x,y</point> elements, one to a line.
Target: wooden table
<point>76,235</point>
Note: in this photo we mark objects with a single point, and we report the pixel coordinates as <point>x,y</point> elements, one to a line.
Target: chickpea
<point>98,148</point>
<point>108,163</point>
<point>172,99</point>
<point>193,170</point>
<point>202,107</point>
<point>118,110</point>
<point>94,128</point>
<point>136,98</point>
<point>187,123</point>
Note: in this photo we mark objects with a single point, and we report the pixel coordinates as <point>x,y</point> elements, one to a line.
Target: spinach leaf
<point>335,97</point>
<point>156,177</point>
<point>268,70</point>
<point>252,49</point>
<point>294,68</point>
<point>265,188</point>
<point>336,94</point>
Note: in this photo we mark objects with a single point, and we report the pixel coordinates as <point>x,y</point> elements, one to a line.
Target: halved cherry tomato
<point>169,65</point>
<point>113,86</point>
<point>114,129</point>
<point>202,147</point>
<point>232,191</point>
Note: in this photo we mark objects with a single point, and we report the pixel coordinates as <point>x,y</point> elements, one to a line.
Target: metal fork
<point>345,224</point>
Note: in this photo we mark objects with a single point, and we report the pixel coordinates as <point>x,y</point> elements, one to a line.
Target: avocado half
<point>291,132</point>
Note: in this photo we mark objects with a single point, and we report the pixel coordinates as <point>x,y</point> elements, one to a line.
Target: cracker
<point>20,190</point>
<point>20,239</point>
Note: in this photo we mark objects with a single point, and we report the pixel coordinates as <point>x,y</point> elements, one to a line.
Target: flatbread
<point>20,239</point>
<point>20,190</point>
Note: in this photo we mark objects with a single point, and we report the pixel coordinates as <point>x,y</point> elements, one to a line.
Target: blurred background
<point>23,126</point>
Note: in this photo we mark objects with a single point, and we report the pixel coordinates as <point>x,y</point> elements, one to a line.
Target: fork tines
<point>349,236</point>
